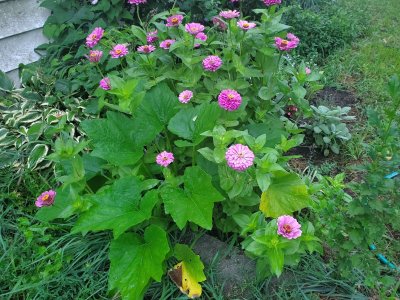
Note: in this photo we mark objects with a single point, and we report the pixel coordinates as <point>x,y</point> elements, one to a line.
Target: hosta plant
<point>192,136</point>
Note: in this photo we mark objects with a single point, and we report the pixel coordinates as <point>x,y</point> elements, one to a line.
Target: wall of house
<point>21,23</point>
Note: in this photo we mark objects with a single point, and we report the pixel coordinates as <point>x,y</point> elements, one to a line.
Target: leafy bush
<point>351,224</point>
<point>167,156</point>
<point>324,28</point>
<point>327,127</point>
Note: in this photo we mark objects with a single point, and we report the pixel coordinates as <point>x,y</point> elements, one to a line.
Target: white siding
<point>21,23</point>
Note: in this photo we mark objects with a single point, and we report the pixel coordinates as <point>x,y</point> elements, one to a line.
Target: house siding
<point>21,23</point>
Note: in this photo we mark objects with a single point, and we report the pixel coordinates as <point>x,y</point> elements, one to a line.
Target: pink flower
<point>229,14</point>
<point>212,63</point>
<point>46,198</point>
<point>93,38</point>
<point>105,83</point>
<point>272,2</point>
<point>152,36</point>
<point>201,36</point>
<point>239,157</point>
<point>166,44</point>
<point>287,45</point>
<point>288,227</point>
<point>219,23</point>
<point>146,48</point>
<point>245,25</point>
<point>308,71</point>
<point>185,96</point>
<point>233,1</point>
<point>137,2</point>
<point>119,50</point>
<point>229,100</point>
<point>174,20</point>
<point>95,55</point>
<point>165,158</point>
<point>194,28</point>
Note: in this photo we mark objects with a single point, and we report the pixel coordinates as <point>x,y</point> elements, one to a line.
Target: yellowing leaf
<point>184,280</point>
<point>287,193</point>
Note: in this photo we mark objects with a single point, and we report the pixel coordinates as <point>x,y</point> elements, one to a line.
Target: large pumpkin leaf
<point>136,260</point>
<point>188,272</point>
<point>117,207</point>
<point>190,123</point>
<point>113,139</point>
<point>154,113</point>
<point>287,193</point>
<point>195,203</point>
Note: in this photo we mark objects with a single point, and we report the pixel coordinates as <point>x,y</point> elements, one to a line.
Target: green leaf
<point>154,113</point>
<point>190,123</point>
<point>287,193</point>
<point>118,207</point>
<point>195,203</point>
<point>191,260</point>
<point>5,82</point>
<point>276,260</point>
<point>113,139</point>
<point>135,261</point>
<point>37,155</point>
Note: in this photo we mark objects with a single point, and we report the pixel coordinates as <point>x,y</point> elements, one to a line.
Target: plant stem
<point>98,68</point>
<point>138,15</point>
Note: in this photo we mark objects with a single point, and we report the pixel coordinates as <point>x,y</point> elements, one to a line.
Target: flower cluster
<point>229,100</point>
<point>185,96</point>
<point>118,51</point>
<point>239,157</point>
<point>287,45</point>
<point>288,227</point>
<point>272,2</point>
<point>165,158</point>
<point>212,63</point>
<point>93,38</point>
<point>137,2</point>
<point>46,198</point>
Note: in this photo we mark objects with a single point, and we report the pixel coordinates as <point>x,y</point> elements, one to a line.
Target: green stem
<point>98,68</point>
<point>193,156</point>
<point>138,15</point>
<point>173,6</point>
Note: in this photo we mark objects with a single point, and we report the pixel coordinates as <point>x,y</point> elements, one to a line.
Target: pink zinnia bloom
<point>137,2</point>
<point>229,14</point>
<point>219,23</point>
<point>235,1</point>
<point>146,48</point>
<point>201,36</point>
<point>93,38</point>
<point>151,36</point>
<point>245,25</point>
<point>308,71</point>
<point>46,198</point>
<point>229,100</point>
<point>239,157</point>
<point>288,227</point>
<point>287,45</point>
<point>119,50</point>
<point>185,96</point>
<point>194,28</point>
<point>174,20</point>
<point>166,44</point>
<point>105,83</point>
<point>272,2</point>
<point>212,63</point>
<point>95,55</point>
<point>165,158</point>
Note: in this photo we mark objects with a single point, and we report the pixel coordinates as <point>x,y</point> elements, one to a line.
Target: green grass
<point>366,66</point>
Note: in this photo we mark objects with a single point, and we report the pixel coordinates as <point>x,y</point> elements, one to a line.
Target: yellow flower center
<point>45,197</point>
<point>175,20</point>
<point>245,25</point>
<point>165,158</point>
<point>118,51</point>
<point>230,96</point>
<point>94,36</point>
<point>285,42</point>
<point>287,228</point>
